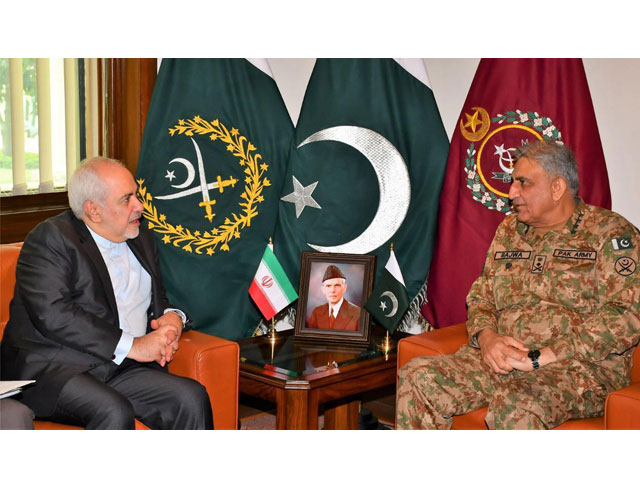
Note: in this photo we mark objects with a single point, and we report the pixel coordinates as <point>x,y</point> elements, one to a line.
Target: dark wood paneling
<point>20,213</point>
<point>130,86</point>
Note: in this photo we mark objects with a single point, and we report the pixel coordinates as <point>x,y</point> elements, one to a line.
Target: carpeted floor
<point>377,412</point>
<point>266,421</point>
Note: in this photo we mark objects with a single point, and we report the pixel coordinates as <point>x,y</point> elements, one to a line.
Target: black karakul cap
<point>333,272</point>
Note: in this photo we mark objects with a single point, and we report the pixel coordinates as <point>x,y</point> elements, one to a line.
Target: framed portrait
<point>333,289</point>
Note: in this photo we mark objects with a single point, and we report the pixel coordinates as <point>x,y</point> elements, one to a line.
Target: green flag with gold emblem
<point>212,162</point>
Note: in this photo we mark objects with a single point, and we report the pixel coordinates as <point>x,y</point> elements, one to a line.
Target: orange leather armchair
<point>622,408</point>
<point>212,361</point>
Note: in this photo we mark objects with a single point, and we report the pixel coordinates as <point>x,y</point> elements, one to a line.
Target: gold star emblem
<point>473,121</point>
<point>477,125</point>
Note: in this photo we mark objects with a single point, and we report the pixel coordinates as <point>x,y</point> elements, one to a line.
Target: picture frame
<point>321,284</point>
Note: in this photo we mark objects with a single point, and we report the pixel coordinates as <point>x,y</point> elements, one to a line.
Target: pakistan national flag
<point>366,168</point>
<point>389,300</point>
<point>213,156</point>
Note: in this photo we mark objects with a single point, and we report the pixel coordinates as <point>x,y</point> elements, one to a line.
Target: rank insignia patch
<point>538,264</point>
<point>623,243</point>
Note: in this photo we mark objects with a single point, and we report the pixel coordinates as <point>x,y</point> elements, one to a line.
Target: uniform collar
<point>575,221</point>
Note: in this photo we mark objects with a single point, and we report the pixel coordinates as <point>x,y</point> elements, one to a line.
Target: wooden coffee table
<point>300,376</point>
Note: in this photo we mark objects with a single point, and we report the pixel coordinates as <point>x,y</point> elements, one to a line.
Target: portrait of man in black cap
<point>338,313</point>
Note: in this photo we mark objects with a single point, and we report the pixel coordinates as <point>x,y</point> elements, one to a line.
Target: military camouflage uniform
<point>576,291</point>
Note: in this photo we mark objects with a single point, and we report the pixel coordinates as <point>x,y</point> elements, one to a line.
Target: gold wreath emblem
<point>255,180</point>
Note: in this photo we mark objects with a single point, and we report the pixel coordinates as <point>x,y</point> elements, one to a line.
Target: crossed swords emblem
<point>204,187</point>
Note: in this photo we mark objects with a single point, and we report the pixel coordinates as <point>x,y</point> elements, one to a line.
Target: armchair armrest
<point>436,342</point>
<point>214,362</point>
<point>622,409</point>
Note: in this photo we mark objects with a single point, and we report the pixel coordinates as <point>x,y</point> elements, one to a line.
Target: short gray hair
<point>555,159</point>
<point>86,184</point>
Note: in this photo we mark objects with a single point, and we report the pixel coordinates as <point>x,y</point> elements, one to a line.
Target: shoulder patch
<point>622,243</point>
<point>625,266</point>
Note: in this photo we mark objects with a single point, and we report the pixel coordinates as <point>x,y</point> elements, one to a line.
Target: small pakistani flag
<point>389,300</point>
<point>623,243</point>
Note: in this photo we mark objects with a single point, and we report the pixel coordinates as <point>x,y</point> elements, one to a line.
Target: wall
<point>615,91</point>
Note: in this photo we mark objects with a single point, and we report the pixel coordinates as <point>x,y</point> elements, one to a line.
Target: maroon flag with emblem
<point>510,101</point>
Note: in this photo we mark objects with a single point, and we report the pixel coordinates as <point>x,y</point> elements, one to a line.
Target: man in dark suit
<point>338,313</point>
<point>90,321</point>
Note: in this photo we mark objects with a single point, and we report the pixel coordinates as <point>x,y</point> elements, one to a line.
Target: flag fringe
<point>413,321</point>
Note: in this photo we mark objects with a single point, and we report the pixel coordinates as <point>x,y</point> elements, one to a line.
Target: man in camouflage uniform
<point>560,283</point>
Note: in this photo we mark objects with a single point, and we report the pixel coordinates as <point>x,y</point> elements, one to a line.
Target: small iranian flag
<point>271,289</point>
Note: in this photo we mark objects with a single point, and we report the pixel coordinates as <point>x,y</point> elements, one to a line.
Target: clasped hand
<point>503,353</point>
<point>161,344</point>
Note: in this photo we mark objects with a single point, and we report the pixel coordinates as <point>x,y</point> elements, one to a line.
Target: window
<point>108,120</point>
<point>48,121</point>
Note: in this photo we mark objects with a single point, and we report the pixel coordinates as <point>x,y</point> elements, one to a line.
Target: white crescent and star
<point>393,182</point>
<point>191,173</point>
<point>394,302</point>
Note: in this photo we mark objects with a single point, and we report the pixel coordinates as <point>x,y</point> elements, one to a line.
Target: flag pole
<point>273,337</point>
<point>387,342</point>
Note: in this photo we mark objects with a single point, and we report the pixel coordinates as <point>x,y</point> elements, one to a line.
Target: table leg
<point>342,417</point>
<point>295,411</point>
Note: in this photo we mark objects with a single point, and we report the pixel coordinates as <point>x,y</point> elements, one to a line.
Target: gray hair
<point>555,159</point>
<point>87,184</point>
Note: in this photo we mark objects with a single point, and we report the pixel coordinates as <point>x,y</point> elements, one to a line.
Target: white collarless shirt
<point>335,308</point>
<point>132,289</point>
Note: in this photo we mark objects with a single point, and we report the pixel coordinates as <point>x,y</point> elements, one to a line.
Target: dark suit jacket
<point>348,317</point>
<point>63,317</point>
